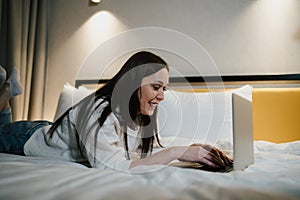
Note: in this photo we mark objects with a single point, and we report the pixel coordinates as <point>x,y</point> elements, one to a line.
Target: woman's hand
<point>207,155</point>
<point>201,153</point>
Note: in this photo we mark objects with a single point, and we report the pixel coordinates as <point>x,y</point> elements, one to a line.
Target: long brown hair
<point>121,95</point>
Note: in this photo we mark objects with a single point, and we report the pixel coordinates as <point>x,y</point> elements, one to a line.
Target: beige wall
<point>241,36</point>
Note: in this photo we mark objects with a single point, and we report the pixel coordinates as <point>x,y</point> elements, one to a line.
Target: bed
<point>275,173</point>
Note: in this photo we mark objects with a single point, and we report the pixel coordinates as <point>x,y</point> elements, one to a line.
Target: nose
<point>160,95</point>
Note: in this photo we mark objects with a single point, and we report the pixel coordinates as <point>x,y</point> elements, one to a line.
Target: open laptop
<point>243,154</point>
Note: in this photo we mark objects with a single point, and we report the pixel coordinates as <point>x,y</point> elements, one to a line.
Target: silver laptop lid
<point>243,154</point>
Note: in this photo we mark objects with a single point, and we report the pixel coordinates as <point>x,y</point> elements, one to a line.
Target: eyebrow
<point>158,81</point>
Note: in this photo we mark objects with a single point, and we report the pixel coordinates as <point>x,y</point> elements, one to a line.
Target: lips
<point>153,105</point>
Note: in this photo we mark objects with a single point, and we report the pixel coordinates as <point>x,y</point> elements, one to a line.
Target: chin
<point>149,113</point>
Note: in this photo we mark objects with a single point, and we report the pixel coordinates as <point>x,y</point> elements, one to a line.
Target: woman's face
<point>152,90</point>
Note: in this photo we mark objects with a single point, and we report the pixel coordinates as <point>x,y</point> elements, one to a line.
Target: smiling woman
<point>105,129</point>
<point>152,91</point>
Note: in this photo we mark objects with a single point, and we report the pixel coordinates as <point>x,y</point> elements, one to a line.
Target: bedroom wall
<point>241,36</point>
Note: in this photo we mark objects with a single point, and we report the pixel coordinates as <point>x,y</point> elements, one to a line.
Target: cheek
<point>145,95</point>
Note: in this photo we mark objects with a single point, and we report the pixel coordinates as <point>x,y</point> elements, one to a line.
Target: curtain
<point>23,44</point>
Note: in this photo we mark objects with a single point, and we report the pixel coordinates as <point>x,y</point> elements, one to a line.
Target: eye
<point>156,86</point>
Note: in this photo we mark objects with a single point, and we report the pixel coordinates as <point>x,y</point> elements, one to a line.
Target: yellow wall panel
<point>276,114</point>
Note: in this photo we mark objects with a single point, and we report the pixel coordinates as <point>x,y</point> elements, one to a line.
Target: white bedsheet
<point>274,175</point>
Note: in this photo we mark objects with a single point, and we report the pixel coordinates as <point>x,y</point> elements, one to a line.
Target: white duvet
<point>274,175</point>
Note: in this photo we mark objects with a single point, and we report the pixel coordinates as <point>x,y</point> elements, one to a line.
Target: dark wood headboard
<point>281,80</point>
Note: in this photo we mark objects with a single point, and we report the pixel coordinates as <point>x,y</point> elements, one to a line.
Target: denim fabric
<point>14,135</point>
<point>5,116</point>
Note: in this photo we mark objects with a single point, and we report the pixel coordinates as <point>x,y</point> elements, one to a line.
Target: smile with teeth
<point>153,105</point>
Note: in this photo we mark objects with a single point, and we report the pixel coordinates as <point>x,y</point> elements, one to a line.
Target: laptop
<point>243,153</point>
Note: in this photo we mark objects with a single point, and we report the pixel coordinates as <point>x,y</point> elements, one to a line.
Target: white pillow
<point>69,97</point>
<point>204,117</point>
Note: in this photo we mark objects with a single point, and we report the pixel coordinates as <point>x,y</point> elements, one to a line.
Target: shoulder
<point>90,111</point>
<point>89,106</point>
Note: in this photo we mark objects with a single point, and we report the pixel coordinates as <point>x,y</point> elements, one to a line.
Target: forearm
<point>201,153</point>
<point>162,157</point>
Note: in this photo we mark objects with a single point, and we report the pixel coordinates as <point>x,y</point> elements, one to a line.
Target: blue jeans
<point>14,135</point>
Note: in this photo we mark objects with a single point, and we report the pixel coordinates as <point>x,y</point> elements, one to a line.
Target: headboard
<point>280,80</point>
<point>276,114</point>
<point>275,101</point>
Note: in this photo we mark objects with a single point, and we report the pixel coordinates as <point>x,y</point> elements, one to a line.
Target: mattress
<point>275,174</point>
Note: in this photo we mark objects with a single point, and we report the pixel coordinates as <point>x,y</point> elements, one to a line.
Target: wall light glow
<point>277,20</point>
<point>96,1</point>
<point>98,28</point>
<point>277,9</point>
<point>102,25</point>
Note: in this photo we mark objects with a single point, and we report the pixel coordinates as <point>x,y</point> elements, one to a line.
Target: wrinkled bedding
<point>274,175</point>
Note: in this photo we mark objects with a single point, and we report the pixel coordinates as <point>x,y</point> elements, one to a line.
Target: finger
<point>229,160</point>
<point>207,162</point>
<point>196,144</point>
<point>225,159</point>
<point>217,156</point>
<point>216,153</point>
<point>212,156</point>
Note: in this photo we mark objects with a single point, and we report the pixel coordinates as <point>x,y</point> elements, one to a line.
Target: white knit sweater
<point>79,138</point>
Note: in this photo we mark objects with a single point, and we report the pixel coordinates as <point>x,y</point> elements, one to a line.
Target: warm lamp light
<point>96,1</point>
